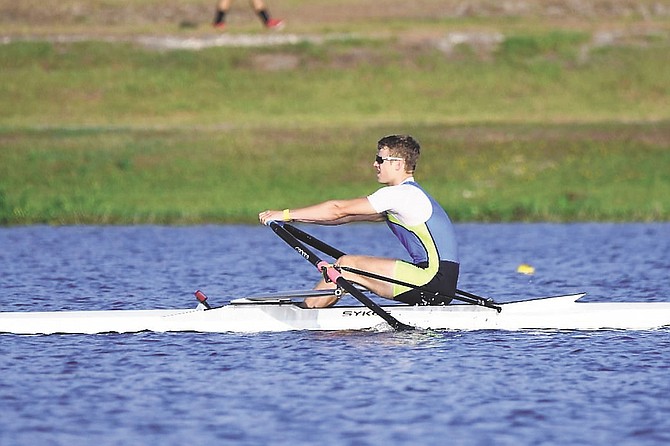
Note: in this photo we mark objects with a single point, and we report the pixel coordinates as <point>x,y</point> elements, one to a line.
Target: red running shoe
<point>220,26</point>
<point>275,24</point>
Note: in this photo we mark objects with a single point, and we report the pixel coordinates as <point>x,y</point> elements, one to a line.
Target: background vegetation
<point>527,111</point>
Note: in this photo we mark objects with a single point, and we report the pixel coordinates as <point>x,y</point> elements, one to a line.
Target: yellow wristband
<point>287,215</point>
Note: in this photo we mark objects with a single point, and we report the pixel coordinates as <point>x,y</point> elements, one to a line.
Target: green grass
<point>529,79</point>
<point>536,130</point>
<point>609,172</point>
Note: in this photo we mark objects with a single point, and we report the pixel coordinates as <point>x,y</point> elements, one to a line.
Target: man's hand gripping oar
<point>335,276</point>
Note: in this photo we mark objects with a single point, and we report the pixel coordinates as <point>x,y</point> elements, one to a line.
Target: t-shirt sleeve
<point>381,200</point>
<point>407,203</point>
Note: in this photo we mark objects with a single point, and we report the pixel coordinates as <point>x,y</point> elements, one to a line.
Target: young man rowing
<point>414,217</point>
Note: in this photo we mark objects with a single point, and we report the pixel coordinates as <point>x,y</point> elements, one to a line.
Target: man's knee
<point>346,260</point>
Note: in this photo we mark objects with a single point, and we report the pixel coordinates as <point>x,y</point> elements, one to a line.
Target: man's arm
<point>331,212</point>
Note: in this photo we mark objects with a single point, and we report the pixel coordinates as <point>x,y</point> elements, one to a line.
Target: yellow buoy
<point>525,269</point>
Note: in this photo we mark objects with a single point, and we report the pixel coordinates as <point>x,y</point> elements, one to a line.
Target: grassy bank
<point>615,172</point>
<point>552,77</point>
<point>521,117</point>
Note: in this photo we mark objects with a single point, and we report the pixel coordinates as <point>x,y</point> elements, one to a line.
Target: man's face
<point>387,166</point>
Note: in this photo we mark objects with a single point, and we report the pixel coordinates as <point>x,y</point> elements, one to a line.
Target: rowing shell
<point>259,315</point>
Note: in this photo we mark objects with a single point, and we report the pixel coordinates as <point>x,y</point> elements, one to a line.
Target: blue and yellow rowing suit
<point>428,235</point>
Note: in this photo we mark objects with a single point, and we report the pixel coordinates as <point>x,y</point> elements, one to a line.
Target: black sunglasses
<point>379,160</point>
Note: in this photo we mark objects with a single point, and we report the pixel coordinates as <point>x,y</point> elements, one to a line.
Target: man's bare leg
<point>378,265</point>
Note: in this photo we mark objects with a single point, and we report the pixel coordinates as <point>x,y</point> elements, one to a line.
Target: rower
<point>414,217</point>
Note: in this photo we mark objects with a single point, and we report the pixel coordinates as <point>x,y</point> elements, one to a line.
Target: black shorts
<point>443,283</point>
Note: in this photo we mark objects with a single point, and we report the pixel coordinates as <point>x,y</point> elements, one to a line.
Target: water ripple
<point>358,388</point>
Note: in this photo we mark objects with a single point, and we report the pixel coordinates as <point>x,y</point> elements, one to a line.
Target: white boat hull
<point>553,313</point>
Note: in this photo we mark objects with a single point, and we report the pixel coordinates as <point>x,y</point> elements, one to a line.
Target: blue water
<point>464,388</point>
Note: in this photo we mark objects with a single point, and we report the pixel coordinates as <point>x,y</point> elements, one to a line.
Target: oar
<point>314,242</point>
<point>336,253</point>
<point>336,277</point>
<point>467,298</point>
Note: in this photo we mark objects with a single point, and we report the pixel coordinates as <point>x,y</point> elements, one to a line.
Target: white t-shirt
<point>406,202</point>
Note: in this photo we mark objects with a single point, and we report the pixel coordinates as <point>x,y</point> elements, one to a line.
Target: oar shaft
<point>336,276</point>
<point>324,247</point>
<point>473,296</point>
<point>313,241</point>
<point>295,244</point>
<point>379,311</point>
<point>466,297</point>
